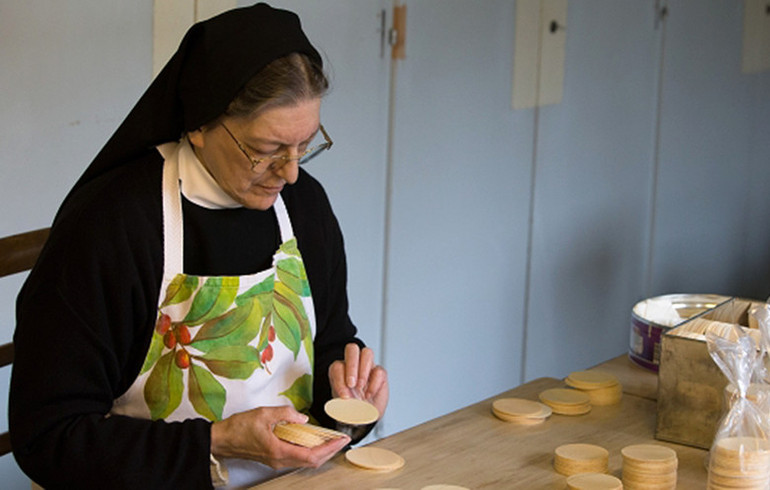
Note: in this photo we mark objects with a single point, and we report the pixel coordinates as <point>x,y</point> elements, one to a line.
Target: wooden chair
<point>18,253</point>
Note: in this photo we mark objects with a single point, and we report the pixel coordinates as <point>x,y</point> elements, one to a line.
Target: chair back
<point>18,253</point>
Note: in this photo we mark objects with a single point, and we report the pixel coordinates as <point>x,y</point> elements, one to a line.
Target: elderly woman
<point>192,294</point>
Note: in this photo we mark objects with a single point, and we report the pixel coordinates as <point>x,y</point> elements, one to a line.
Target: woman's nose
<point>288,168</point>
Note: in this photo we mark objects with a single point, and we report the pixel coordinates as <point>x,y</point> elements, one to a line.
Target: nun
<point>192,293</point>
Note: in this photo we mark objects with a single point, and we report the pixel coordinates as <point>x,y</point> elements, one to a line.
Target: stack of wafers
<point>756,392</point>
<point>602,388</point>
<point>593,481</point>
<point>573,459</point>
<point>306,435</point>
<point>739,462</point>
<point>520,411</point>
<point>649,467</point>
<point>566,401</point>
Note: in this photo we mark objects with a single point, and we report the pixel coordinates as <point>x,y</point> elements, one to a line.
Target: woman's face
<point>285,130</point>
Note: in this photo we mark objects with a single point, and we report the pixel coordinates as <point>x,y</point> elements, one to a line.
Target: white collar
<point>197,184</point>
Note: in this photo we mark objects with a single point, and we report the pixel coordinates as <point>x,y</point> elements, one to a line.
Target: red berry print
<point>267,354</point>
<point>183,359</point>
<point>164,323</point>
<point>169,339</point>
<point>271,334</point>
<point>183,334</point>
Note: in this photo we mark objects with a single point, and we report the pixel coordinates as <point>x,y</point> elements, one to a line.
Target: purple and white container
<point>652,317</point>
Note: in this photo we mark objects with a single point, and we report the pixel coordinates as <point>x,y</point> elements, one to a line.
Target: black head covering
<point>213,62</point>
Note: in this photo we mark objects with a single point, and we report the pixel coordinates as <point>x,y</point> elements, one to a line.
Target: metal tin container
<point>644,347</point>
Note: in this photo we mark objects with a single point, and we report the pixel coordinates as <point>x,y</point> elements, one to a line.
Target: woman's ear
<point>196,138</point>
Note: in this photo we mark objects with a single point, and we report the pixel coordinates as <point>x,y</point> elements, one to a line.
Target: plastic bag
<point>760,314</point>
<point>740,453</point>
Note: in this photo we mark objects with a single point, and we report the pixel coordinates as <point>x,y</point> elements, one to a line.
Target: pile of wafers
<point>593,481</point>
<point>698,328</point>
<point>601,387</point>
<point>307,435</point>
<point>520,411</point>
<point>566,401</point>
<point>649,467</point>
<point>739,462</point>
<point>573,459</point>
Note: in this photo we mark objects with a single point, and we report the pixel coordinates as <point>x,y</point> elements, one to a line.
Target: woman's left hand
<point>358,377</point>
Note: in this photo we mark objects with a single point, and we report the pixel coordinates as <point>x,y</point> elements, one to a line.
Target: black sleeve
<point>84,320</point>
<point>321,244</point>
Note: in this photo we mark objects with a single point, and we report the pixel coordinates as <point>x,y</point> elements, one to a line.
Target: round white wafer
<point>591,380</point>
<point>605,396</point>
<point>351,411</point>
<point>572,459</point>
<point>564,397</point>
<point>375,458</point>
<point>521,411</point>
<point>566,401</point>
<point>648,454</point>
<point>593,481</point>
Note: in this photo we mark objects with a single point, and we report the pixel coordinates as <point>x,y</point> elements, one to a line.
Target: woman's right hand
<point>249,435</point>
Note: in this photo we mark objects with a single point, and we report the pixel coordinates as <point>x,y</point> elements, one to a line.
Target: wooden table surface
<point>474,449</point>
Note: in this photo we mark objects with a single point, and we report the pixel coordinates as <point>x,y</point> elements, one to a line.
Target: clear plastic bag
<point>740,453</point>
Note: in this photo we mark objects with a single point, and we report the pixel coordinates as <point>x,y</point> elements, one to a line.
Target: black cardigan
<point>86,314</point>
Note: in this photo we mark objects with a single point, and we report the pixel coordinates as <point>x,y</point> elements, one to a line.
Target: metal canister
<point>644,347</point>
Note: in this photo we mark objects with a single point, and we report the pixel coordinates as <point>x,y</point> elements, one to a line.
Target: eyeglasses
<point>274,159</point>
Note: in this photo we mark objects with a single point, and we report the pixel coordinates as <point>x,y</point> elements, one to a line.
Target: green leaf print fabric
<point>226,335</point>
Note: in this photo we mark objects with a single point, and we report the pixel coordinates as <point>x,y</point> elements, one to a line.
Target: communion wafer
<point>593,481</point>
<point>647,454</point>
<point>605,396</point>
<point>571,409</point>
<point>519,407</point>
<point>566,401</point>
<point>351,411</point>
<point>655,467</point>
<point>743,447</point>
<point>569,469</point>
<point>519,420</point>
<point>521,411</point>
<point>737,481</point>
<point>306,435</point>
<point>602,388</point>
<point>572,459</point>
<point>650,482</point>
<point>591,380</point>
<point>739,462</point>
<point>649,467</point>
<point>374,458</point>
<point>563,396</point>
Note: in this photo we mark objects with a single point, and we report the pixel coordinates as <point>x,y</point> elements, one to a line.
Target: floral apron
<point>224,345</point>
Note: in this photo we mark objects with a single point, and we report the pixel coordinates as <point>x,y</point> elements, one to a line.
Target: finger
<point>365,365</point>
<point>352,353</point>
<point>378,393</point>
<point>323,453</point>
<point>377,379</point>
<point>288,414</point>
<point>337,380</point>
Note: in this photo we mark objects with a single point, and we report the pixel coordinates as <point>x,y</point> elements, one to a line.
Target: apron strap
<point>284,223</point>
<point>173,227</point>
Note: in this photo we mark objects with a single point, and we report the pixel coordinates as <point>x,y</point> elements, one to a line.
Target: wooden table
<point>474,449</point>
